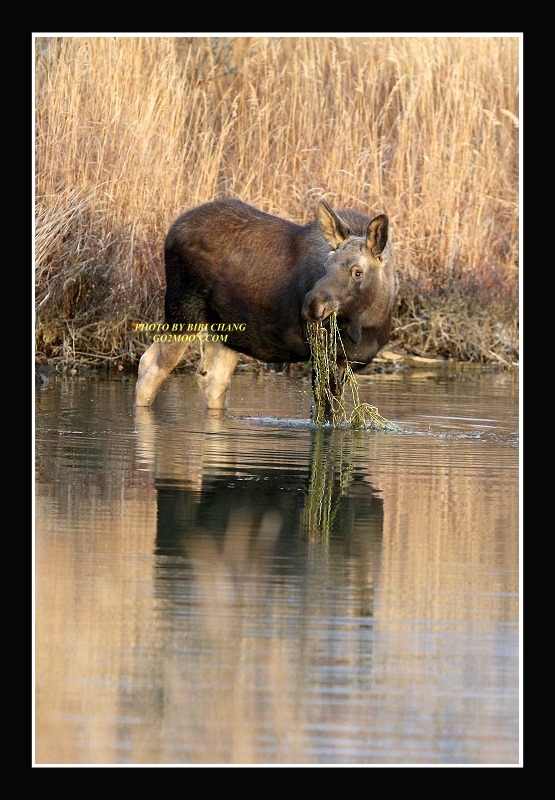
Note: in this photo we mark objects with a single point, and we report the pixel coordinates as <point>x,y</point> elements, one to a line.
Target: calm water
<point>247,589</point>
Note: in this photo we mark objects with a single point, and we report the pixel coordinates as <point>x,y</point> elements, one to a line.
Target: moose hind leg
<point>154,367</point>
<point>214,372</point>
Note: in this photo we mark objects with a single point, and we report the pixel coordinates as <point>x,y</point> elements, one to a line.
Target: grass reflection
<point>331,473</point>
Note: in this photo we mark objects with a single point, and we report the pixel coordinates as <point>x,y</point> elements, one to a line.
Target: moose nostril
<point>316,311</point>
<point>309,307</point>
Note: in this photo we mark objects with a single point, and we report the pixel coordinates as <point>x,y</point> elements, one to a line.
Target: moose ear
<point>332,227</point>
<point>376,234</point>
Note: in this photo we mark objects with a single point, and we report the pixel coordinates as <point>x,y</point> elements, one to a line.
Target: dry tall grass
<point>132,131</point>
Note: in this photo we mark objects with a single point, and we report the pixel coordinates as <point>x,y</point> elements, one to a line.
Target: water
<point>251,590</point>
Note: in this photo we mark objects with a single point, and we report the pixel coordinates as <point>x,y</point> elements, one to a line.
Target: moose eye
<point>357,273</point>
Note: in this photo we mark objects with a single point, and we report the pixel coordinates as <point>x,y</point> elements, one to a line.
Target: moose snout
<point>317,307</point>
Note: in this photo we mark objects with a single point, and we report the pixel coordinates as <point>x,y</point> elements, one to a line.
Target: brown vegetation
<point>132,131</point>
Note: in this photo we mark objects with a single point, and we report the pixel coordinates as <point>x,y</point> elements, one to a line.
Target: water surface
<point>248,589</point>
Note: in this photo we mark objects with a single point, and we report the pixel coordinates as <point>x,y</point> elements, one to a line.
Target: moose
<point>259,278</point>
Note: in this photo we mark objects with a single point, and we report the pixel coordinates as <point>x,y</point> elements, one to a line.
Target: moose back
<point>246,282</point>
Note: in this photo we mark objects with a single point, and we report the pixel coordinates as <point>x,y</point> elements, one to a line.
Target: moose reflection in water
<point>227,502</point>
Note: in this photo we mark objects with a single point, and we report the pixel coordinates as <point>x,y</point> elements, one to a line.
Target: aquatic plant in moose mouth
<point>336,397</point>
